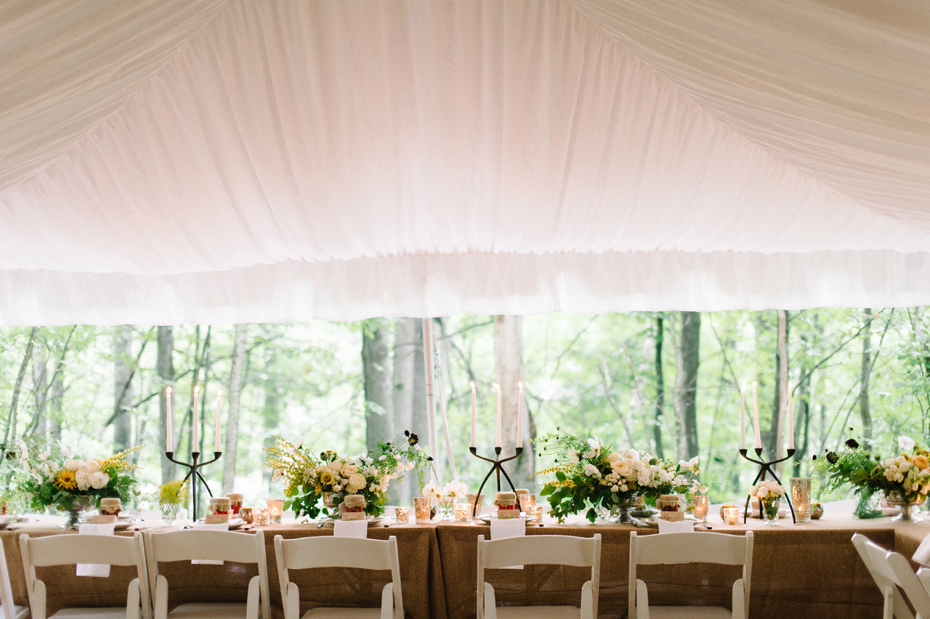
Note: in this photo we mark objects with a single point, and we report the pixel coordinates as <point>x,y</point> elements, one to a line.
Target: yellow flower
<point>65,480</point>
<point>921,462</point>
<point>327,478</point>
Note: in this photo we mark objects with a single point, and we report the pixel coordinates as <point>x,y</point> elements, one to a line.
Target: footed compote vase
<point>620,514</point>
<point>908,507</point>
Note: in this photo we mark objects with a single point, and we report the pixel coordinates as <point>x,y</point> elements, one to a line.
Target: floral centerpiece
<point>445,496</point>
<point>590,476</point>
<point>327,477</point>
<point>769,494</point>
<point>55,478</point>
<point>903,479</point>
<point>171,496</point>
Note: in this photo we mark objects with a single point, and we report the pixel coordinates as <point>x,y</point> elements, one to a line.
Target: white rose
<point>349,470</point>
<point>762,492</point>
<point>337,488</point>
<point>410,466</point>
<point>591,471</point>
<point>357,481</point>
<point>91,466</point>
<point>631,454</point>
<point>613,458</point>
<point>99,480</point>
<point>74,465</point>
<point>83,480</point>
<point>752,491</point>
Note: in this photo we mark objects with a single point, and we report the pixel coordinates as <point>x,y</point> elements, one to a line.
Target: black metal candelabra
<point>496,467</point>
<point>194,474</point>
<point>766,467</point>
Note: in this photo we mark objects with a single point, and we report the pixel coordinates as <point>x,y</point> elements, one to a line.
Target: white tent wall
<point>289,160</point>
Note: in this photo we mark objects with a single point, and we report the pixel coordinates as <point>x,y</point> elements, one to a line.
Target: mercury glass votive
<point>801,498</point>
<point>536,513</point>
<point>275,509</point>
<point>730,514</point>
<point>260,516</point>
<point>701,504</point>
<point>474,513</point>
<point>462,512</point>
<point>527,503</point>
<point>421,505</point>
<point>402,515</point>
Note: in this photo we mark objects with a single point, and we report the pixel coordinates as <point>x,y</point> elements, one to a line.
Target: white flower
<point>83,479</point>
<point>99,480</point>
<point>595,444</point>
<point>74,465</point>
<point>337,488</point>
<point>573,457</point>
<point>92,466</point>
<point>762,492</point>
<point>591,471</point>
<point>613,457</point>
<point>410,466</point>
<point>349,470</point>
<point>455,489</point>
<point>589,454</point>
<point>623,467</point>
<point>68,452</point>
<point>373,488</point>
<point>615,488</point>
<point>382,458</point>
<point>906,443</point>
<point>631,454</point>
<point>356,482</point>
<point>753,491</point>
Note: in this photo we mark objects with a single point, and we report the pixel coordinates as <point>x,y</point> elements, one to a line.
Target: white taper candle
<point>789,426</point>
<point>216,448</point>
<point>474,413</point>
<point>497,442</point>
<point>169,440</point>
<point>195,435</point>
<point>519,442</point>
<point>742,417</point>
<point>755,413</point>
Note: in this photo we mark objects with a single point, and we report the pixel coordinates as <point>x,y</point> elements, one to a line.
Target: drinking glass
<point>475,511</point>
<point>421,506</point>
<point>527,503</point>
<point>801,497</point>
<point>402,515</point>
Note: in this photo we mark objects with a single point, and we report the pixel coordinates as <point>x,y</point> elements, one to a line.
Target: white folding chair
<point>194,545</point>
<point>539,550</point>
<point>718,548</point>
<point>96,549</point>
<point>10,610</point>
<point>895,579</point>
<point>315,552</point>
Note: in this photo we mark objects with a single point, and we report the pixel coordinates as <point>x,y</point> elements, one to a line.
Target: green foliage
<point>175,492</point>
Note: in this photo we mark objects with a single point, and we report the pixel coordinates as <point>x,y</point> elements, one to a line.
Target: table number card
<point>217,519</point>
<point>103,519</point>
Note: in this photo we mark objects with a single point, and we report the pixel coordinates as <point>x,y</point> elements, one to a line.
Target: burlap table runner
<point>798,571</point>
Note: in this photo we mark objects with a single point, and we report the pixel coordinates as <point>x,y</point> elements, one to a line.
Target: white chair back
<point>346,552</point>
<point>540,550</point>
<point>895,578</point>
<point>192,545</point>
<point>719,548</point>
<point>73,549</point>
<point>10,610</point>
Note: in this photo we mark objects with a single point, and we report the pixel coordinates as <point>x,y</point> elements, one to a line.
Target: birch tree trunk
<point>865,376</point>
<point>56,402</point>
<point>660,387</point>
<point>405,350</point>
<point>40,387</point>
<point>164,367</point>
<point>688,359</point>
<point>508,352</point>
<point>232,421</point>
<point>122,388</point>
<point>10,432</point>
<point>376,365</point>
<point>776,435</point>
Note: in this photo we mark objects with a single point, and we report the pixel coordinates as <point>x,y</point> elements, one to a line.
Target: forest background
<point>667,382</point>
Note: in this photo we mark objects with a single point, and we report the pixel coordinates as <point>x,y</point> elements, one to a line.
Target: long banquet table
<point>798,571</point>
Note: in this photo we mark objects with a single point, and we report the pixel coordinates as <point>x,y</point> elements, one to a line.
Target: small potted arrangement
<point>445,496</point>
<point>170,498</point>
<point>769,494</point>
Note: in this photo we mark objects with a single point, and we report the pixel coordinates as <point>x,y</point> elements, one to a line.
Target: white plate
<point>487,518</point>
<point>890,511</point>
<point>329,523</point>
<point>235,523</point>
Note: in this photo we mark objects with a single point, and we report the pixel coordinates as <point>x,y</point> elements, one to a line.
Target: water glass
<point>402,515</point>
<point>475,511</point>
<point>801,498</point>
<point>527,503</point>
<point>421,507</point>
<point>700,503</point>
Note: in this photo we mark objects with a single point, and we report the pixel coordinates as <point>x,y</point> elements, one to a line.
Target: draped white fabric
<point>166,162</point>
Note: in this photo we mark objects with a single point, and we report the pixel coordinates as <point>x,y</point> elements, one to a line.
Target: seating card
<point>98,519</point>
<point>508,527</point>
<point>671,526</point>
<point>350,528</point>
<point>922,554</point>
<point>209,527</point>
<point>217,519</point>
<point>95,569</point>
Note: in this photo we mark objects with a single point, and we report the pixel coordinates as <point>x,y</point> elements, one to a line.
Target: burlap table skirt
<point>798,571</point>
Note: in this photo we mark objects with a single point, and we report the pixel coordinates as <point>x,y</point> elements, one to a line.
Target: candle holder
<point>495,468</point>
<point>766,467</point>
<point>194,474</point>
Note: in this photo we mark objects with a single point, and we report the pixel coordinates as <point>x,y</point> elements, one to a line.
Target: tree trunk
<point>660,388</point>
<point>40,388</point>
<point>122,388</point>
<point>776,435</point>
<point>10,432</point>
<point>56,402</point>
<point>405,350</point>
<point>376,365</point>
<point>164,367</point>
<point>232,421</point>
<point>508,352</point>
<point>866,375</point>
<point>688,359</point>
<point>419,422</point>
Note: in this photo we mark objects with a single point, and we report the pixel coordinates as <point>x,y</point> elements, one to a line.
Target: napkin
<point>508,527</point>
<point>671,526</point>
<point>95,569</point>
<point>223,526</point>
<point>922,554</point>
<point>350,528</point>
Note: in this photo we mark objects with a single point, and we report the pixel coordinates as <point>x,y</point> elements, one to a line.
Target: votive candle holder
<point>462,512</point>
<point>421,505</point>
<point>260,516</point>
<point>801,498</point>
<point>527,502</point>
<point>730,514</point>
<point>402,515</point>
<point>536,513</point>
<point>275,510</point>
<point>473,512</point>
<point>700,505</point>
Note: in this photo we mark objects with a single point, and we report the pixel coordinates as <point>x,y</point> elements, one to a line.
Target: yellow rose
<point>920,462</point>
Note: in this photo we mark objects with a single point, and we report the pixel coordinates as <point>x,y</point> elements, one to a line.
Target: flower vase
<point>621,513</point>
<point>169,513</point>
<point>769,506</point>
<point>446,509</point>
<point>74,519</point>
<point>75,509</point>
<point>908,508</point>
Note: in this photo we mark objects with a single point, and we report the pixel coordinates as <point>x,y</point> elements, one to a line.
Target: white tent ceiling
<point>166,161</point>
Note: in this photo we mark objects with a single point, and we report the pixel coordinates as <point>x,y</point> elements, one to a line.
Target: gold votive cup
<point>402,515</point>
<point>527,503</point>
<point>421,505</point>
<point>275,509</point>
<point>801,498</point>
<point>730,514</point>
<point>246,514</point>
<point>536,513</point>
<point>260,516</point>
<point>701,503</point>
<point>462,512</point>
